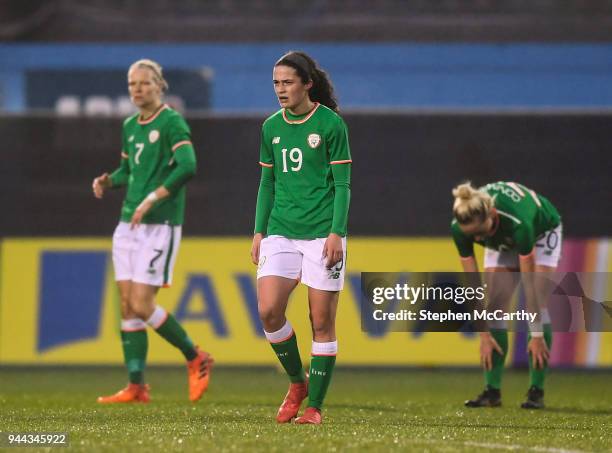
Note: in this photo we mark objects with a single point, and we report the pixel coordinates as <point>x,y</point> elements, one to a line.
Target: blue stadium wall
<point>438,76</point>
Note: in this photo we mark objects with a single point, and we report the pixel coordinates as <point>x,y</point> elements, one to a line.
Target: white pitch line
<point>520,447</point>
<point>495,446</point>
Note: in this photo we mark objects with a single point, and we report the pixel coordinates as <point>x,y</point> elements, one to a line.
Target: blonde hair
<point>157,70</point>
<point>471,204</point>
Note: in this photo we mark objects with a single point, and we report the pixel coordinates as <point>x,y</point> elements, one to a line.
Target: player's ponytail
<point>471,204</point>
<point>322,90</point>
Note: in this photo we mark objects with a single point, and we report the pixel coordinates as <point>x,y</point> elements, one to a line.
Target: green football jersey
<point>301,150</point>
<point>151,148</point>
<point>523,217</point>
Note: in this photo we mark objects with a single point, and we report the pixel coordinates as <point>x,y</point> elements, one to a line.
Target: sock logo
<point>314,372</point>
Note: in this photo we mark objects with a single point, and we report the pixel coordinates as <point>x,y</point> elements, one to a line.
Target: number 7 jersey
<point>301,150</point>
<point>151,151</point>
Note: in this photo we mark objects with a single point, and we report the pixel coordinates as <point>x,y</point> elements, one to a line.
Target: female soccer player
<point>157,160</point>
<point>300,224</point>
<point>520,230</point>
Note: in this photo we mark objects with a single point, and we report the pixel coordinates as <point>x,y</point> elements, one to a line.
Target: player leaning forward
<point>157,160</point>
<point>520,230</point>
<point>300,225</point>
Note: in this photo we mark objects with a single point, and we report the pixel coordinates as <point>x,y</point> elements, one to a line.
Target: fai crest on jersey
<point>314,140</point>
<point>153,136</point>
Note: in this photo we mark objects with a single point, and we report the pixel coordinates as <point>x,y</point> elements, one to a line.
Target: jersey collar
<point>152,117</point>
<point>303,120</point>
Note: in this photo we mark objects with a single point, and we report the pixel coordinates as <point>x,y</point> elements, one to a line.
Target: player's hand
<point>100,184</point>
<point>332,250</point>
<point>255,248</point>
<point>539,352</point>
<point>487,346</point>
<point>140,212</point>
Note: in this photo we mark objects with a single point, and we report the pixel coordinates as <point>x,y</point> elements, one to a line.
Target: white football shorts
<point>547,252</point>
<point>300,259</point>
<point>145,254</point>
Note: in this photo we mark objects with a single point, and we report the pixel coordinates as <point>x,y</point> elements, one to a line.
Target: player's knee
<point>321,326</point>
<point>140,306</point>
<point>139,312</point>
<point>271,318</point>
<point>125,302</point>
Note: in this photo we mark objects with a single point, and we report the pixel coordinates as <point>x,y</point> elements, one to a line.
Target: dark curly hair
<point>322,90</point>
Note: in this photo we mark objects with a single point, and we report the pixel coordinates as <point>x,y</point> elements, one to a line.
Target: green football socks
<point>322,364</point>
<point>135,345</point>
<point>284,343</point>
<point>170,330</point>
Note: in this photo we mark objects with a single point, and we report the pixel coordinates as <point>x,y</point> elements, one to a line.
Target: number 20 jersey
<point>301,151</point>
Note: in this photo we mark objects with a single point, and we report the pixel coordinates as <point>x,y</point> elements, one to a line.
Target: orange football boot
<point>312,416</point>
<point>298,391</point>
<point>133,393</point>
<point>198,371</point>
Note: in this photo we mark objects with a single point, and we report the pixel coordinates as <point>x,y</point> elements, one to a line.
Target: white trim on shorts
<point>547,252</point>
<point>146,254</point>
<point>300,259</point>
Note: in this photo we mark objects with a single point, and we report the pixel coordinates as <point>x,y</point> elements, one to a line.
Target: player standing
<point>157,159</point>
<point>300,225</point>
<point>520,230</point>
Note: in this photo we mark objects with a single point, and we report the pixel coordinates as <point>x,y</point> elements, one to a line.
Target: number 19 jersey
<point>301,151</point>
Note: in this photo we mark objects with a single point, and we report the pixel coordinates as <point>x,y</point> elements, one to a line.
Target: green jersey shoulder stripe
<point>509,216</point>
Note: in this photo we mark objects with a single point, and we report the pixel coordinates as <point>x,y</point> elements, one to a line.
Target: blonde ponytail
<point>470,204</point>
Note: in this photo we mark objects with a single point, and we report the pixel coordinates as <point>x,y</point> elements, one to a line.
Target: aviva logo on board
<point>73,283</point>
<point>72,296</point>
<point>59,304</point>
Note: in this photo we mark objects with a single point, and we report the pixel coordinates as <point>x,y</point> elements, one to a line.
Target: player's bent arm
<point>469,264</point>
<point>100,184</point>
<point>341,173</point>
<point>265,199</point>
<point>527,268</point>
<point>147,204</point>
<point>255,246</point>
<point>121,175</point>
<point>536,347</point>
<point>185,169</point>
<point>159,194</point>
<point>527,262</point>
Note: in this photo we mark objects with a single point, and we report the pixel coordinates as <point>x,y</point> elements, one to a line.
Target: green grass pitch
<point>366,410</point>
